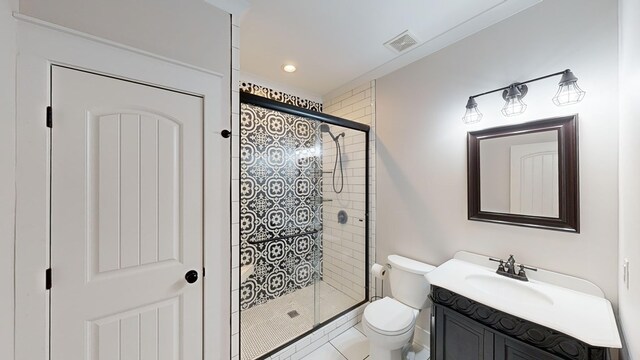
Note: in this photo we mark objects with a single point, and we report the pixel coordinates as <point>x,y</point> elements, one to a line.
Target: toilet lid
<point>389,316</point>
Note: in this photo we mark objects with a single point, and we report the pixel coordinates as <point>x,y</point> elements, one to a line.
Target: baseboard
<point>623,354</point>
<point>422,337</point>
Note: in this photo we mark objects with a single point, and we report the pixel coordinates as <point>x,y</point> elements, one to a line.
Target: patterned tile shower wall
<point>280,200</point>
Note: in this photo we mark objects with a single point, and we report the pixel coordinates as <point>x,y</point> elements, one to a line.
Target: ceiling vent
<point>402,42</point>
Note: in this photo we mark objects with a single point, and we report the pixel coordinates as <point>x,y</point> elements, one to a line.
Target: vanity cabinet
<point>457,337</point>
<point>462,329</point>
<point>506,348</point>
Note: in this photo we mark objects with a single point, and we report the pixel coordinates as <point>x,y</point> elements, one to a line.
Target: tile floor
<point>354,345</point>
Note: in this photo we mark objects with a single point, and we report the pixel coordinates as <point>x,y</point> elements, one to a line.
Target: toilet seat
<point>389,317</point>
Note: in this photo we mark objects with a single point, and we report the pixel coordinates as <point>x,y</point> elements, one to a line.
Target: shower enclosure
<point>303,222</point>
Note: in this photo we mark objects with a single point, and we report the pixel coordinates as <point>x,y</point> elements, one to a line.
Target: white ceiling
<point>336,43</point>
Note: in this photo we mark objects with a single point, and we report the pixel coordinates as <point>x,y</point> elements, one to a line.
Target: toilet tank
<point>407,280</point>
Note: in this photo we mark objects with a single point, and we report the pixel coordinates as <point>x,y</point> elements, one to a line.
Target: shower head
<point>325,129</point>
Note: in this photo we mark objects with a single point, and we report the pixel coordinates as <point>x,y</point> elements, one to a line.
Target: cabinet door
<point>460,338</point>
<point>510,349</point>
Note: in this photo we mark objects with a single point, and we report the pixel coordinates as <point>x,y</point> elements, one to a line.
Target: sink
<point>586,317</point>
<point>511,289</point>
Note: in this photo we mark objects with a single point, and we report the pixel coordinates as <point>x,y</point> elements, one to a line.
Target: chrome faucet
<point>508,269</point>
<point>510,266</point>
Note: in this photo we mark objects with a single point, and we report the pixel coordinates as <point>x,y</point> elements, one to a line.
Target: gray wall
<point>7,172</point>
<point>629,301</point>
<point>421,149</point>
<point>191,31</point>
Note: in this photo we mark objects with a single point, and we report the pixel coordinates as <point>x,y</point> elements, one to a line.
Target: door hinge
<point>47,277</point>
<point>49,117</point>
<point>203,272</point>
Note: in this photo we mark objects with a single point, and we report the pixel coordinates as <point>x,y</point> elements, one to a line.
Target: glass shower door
<point>342,283</point>
<point>295,255</point>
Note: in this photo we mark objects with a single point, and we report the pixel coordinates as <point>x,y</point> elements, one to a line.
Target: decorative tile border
<point>280,96</point>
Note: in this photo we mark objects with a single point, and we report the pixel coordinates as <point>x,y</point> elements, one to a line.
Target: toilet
<point>389,322</point>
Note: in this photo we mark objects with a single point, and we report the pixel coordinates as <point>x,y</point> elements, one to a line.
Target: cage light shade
<point>514,106</point>
<point>512,93</point>
<point>568,91</point>
<point>472,115</point>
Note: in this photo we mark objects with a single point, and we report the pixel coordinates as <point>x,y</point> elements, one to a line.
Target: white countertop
<point>583,316</point>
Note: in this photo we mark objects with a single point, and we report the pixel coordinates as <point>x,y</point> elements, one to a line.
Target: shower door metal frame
<point>251,99</point>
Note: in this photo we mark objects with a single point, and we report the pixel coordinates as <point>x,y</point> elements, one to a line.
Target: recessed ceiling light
<point>289,68</point>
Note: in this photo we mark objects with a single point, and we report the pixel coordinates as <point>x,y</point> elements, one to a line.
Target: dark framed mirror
<point>525,174</point>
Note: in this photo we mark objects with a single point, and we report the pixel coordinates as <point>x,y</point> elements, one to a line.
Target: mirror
<point>525,174</point>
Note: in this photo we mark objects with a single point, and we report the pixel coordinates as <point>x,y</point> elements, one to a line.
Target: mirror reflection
<point>519,174</point>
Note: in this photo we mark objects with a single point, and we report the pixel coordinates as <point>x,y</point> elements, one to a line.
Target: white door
<point>126,220</point>
<point>534,179</point>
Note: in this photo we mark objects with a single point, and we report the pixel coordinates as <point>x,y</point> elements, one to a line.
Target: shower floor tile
<point>267,326</point>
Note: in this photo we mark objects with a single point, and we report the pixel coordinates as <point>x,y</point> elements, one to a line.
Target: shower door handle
<point>191,276</point>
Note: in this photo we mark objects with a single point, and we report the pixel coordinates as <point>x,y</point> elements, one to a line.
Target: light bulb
<point>289,68</point>
<point>513,107</point>
<point>513,97</point>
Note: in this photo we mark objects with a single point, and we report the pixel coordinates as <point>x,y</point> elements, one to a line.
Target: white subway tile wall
<point>235,184</point>
<point>344,243</point>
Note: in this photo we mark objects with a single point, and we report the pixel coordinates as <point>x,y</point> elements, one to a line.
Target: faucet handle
<point>522,267</point>
<point>501,266</point>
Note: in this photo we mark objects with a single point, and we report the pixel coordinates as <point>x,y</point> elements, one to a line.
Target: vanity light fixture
<point>289,68</point>
<point>568,93</point>
<point>472,115</point>
<point>513,97</point>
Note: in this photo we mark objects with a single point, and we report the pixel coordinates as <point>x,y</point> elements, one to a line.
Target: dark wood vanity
<point>462,329</point>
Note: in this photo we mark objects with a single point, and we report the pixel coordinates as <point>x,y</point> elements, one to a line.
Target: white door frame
<point>39,46</point>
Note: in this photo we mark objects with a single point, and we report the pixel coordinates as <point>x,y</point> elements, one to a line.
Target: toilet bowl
<point>389,323</point>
